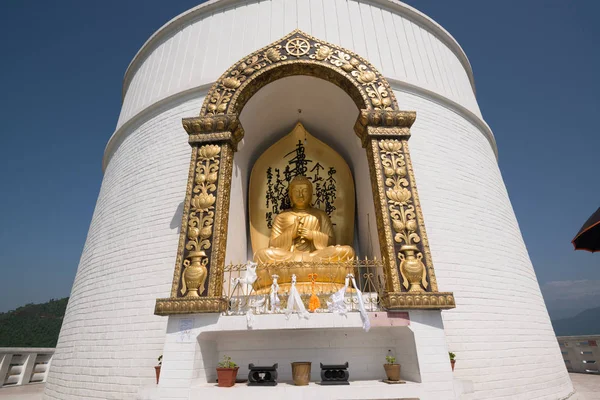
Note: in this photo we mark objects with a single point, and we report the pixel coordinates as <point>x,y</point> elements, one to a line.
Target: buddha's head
<point>300,192</point>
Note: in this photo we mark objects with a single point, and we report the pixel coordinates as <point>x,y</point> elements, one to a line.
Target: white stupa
<point>500,329</point>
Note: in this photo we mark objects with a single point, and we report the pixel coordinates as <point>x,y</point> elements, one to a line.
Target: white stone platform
<point>587,387</point>
<point>356,390</point>
<point>195,343</point>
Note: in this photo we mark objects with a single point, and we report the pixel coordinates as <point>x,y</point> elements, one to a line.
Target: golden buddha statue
<point>302,233</point>
<point>302,242</point>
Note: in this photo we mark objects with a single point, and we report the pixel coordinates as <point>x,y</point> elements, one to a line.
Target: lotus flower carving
<point>398,195</point>
<point>203,201</point>
<point>273,54</point>
<point>390,146</point>
<point>209,151</point>
<point>231,83</point>
<point>323,52</point>
<point>366,77</point>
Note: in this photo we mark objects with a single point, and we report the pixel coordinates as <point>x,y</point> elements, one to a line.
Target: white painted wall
<point>500,330</point>
<point>110,339</point>
<point>201,44</point>
<point>189,359</point>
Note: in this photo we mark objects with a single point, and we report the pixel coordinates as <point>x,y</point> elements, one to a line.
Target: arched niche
<point>328,113</point>
<point>215,134</point>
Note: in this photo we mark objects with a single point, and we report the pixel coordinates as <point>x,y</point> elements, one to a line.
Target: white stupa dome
<point>500,328</point>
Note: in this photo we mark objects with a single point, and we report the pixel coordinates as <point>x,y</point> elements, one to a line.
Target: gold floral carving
<point>301,54</point>
<point>184,223</point>
<point>382,218</point>
<point>170,306</point>
<point>200,221</point>
<point>382,123</point>
<point>219,244</point>
<point>426,300</point>
<point>214,128</point>
<point>402,213</point>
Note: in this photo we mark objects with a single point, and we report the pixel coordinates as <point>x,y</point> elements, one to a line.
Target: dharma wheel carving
<point>384,131</point>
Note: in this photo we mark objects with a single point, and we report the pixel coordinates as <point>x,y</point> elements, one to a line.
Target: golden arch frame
<point>384,131</point>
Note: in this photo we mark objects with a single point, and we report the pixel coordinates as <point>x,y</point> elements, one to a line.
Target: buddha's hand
<point>296,230</point>
<point>305,233</point>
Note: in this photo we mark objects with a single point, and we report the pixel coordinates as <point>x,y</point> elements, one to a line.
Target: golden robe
<point>284,247</point>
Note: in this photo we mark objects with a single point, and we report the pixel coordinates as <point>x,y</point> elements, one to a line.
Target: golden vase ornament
<point>195,274</point>
<point>412,269</point>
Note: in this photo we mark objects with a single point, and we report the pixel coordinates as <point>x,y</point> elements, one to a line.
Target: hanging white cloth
<point>336,303</point>
<point>274,295</point>
<point>361,306</point>
<point>295,303</point>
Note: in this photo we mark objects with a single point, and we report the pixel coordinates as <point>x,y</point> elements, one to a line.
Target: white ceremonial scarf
<point>336,303</point>
<point>295,303</point>
<point>361,306</point>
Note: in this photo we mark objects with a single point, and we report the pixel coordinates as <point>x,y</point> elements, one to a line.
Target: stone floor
<point>27,392</point>
<point>587,386</point>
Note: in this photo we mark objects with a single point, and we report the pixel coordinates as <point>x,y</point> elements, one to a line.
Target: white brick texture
<point>110,340</point>
<point>197,52</point>
<point>500,329</point>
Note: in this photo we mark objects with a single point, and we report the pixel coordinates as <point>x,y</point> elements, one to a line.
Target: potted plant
<point>452,359</point>
<point>227,372</point>
<point>157,368</point>
<point>392,369</point>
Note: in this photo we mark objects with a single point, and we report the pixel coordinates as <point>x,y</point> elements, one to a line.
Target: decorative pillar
<point>409,275</point>
<point>198,278</point>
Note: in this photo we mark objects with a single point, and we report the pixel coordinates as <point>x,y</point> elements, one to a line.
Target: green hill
<point>33,325</point>
<point>585,323</point>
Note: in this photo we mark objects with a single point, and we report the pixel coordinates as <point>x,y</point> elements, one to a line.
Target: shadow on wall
<point>176,221</point>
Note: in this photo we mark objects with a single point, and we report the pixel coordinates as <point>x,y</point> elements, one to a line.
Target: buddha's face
<point>300,195</point>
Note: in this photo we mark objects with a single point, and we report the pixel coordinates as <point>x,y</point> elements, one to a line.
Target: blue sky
<point>535,65</point>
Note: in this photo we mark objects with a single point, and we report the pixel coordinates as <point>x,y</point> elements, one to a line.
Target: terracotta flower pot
<point>301,373</point>
<point>157,370</point>
<point>226,376</point>
<point>452,362</point>
<point>392,371</point>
